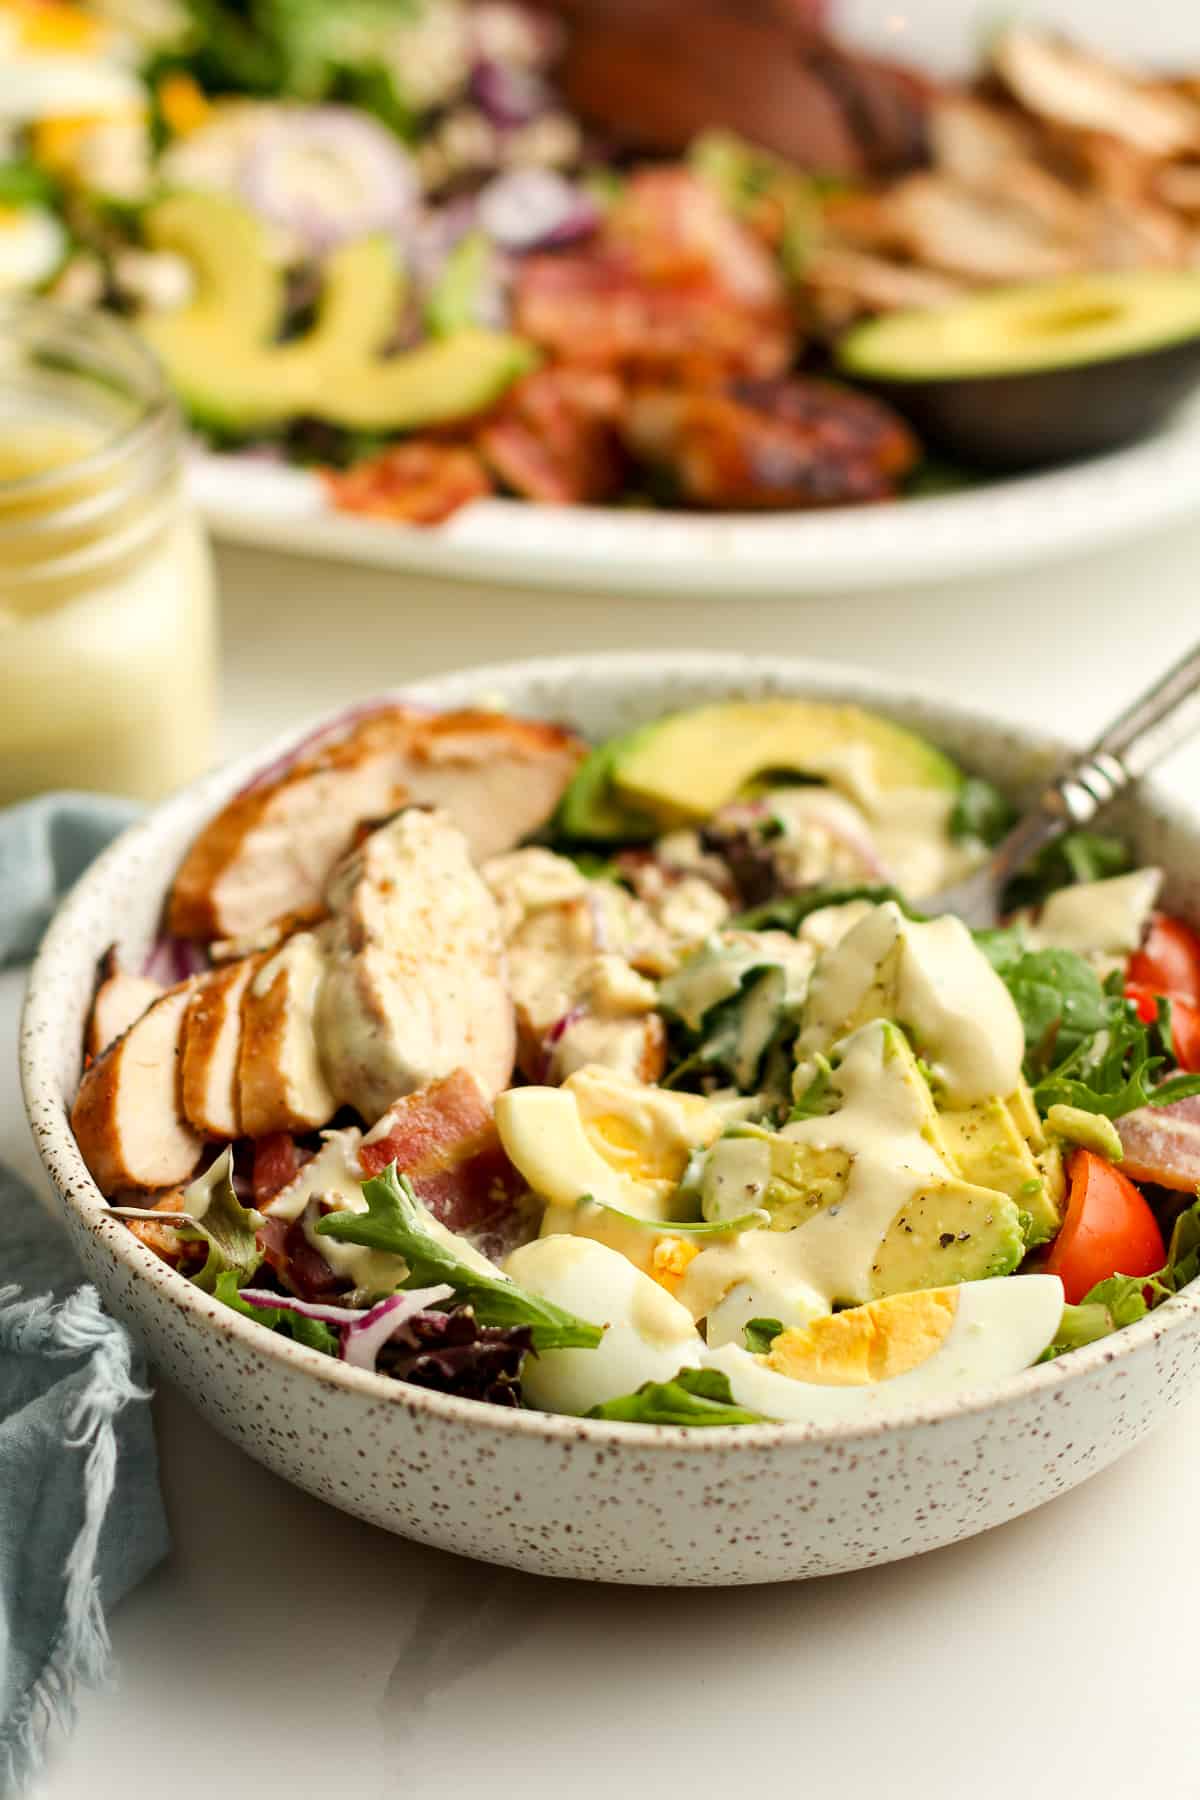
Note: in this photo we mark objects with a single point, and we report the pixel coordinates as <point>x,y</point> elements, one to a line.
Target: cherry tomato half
<point>1109,1229</point>
<point>1169,960</point>
<point>1185,1023</point>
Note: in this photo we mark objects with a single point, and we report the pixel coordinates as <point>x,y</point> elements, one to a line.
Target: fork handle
<point>1161,719</point>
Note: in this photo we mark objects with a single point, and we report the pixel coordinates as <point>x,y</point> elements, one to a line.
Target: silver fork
<point>1165,716</point>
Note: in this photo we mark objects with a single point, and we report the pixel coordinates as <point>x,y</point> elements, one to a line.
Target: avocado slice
<point>692,763</point>
<point>1040,372</point>
<point>221,353</point>
<point>590,811</point>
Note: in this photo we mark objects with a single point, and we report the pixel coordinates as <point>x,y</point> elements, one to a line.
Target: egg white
<point>648,1335</point>
<point>1000,1327</point>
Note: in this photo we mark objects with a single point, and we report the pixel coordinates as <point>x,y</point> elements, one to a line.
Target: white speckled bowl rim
<point>78,1192</point>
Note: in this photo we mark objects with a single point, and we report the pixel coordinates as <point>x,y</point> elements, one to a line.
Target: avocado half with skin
<point>1023,376</point>
<point>685,767</point>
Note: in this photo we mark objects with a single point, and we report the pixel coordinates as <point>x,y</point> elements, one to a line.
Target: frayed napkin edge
<point>81,1655</point>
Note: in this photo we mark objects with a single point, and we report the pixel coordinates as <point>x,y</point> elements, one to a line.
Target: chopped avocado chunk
<point>689,765</point>
<point>988,1145</point>
<point>1092,1130</point>
<point>1044,325</point>
<point>949,1234</point>
<point>223,357</point>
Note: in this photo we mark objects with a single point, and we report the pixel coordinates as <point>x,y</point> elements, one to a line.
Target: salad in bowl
<point>640,1081</point>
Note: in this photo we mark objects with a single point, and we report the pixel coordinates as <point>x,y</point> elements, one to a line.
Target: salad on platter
<point>634,1080</point>
<point>441,250</point>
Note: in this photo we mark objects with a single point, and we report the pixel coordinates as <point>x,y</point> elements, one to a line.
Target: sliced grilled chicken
<point>982,238</point>
<point>164,1240</point>
<point>212,1041</point>
<point>1058,81</point>
<point>271,850</point>
<point>280,1082</point>
<point>415,983</point>
<point>126,1118</point>
<point>120,999</point>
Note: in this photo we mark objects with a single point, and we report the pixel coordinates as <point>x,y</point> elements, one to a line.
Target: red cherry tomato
<point>1109,1229</point>
<point>1169,960</point>
<point>1185,1023</point>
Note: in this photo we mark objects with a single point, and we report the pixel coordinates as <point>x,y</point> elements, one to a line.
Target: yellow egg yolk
<point>870,1343</point>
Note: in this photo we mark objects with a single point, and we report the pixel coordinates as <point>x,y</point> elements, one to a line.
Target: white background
<point>287,1650</point>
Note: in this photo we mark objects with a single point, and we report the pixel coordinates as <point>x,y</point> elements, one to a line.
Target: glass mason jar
<point>107,610</point>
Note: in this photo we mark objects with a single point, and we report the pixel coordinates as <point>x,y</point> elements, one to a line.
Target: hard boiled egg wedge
<point>854,1366</point>
<point>621,1142</point>
<point>32,245</point>
<point>648,1336</point>
<point>60,61</point>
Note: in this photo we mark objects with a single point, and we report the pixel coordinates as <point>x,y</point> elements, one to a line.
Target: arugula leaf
<point>1113,1073</point>
<point>760,1334</point>
<point>1079,856</point>
<point>312,1332</point>
<point>396,1222</point>
<point>693,1397</point>
<point>747,1221</point>
<point>981,813</point>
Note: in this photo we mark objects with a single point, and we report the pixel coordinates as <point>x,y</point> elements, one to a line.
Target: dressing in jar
<point>107,610</point>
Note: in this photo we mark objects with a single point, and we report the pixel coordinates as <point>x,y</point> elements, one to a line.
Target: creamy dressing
<point>333,1174</point>
<point>936,982</point>
<point>880,1126</point>
<point>716,972</point>
<point>737,1173</point>
<point>1104,918</point>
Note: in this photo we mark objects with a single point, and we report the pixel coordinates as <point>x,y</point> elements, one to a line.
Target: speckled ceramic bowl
<point>564,1496</point>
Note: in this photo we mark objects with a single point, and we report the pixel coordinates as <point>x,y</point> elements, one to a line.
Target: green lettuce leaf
<point>1079,856</point>
<point>760,1334</point>
<point>693,1397</point>
<point>214,1215</point>
<point>396,1222</point>
<point>981,813</point>
<point>312,1332</point>
<point>789,911</point>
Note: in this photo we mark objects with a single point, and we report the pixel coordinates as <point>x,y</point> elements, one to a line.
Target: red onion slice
<point>364,1339</point>
<point>363,1331</point>
<point>509,96</point>
<point>528,209</point>
<point>329,174</point>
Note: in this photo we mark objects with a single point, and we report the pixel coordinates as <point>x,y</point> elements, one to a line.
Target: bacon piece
<point>301,1269</point>
<point>271,850</point>
<point>419,483</point>
<point>164,1240</point>
<point>592,308</point>
<point>444,1139</point>
<point>554,437</point>
<point>1162,1144</point>
<point>277,1160</point>
<point>796,443</point>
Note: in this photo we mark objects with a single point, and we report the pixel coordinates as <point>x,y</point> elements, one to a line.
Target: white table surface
<point>286,1649</point>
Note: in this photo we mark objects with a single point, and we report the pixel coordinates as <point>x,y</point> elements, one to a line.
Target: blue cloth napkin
<point>81,1517</point>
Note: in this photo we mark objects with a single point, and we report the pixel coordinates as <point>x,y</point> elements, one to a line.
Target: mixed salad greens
<point>379,238</point>
<point>657,1096</point>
